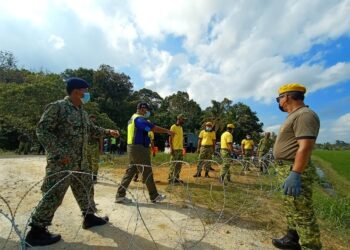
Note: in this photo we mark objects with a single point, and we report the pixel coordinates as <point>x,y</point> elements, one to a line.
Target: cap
<point>208,124</point>
<point>76,83</point>
<point>292,87</point>
<point>142,105</point>
<point>230,125</point>
<point>181,116</point>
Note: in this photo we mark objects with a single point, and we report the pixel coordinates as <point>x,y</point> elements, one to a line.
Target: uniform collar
<point>69,102</point>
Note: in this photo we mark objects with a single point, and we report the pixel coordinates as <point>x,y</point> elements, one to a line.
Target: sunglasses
<point>280,97</point>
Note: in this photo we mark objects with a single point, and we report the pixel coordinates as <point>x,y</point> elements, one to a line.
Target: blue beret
<point>76,83</point>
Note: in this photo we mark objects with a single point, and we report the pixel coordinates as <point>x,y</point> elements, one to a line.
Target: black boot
<point>207,174</point>
<point>91,220</point>
<point>222,179</point>
<point>94,178</point>
<point>198,174</point>
<point>228,177</point>
<point>289,241</point>
<point>40,236</point>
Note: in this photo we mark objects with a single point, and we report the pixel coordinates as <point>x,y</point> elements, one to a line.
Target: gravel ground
<point>142,226</point>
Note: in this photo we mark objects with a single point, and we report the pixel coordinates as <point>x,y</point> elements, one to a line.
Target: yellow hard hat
<point>208,124</point>
<point>291,87</point>
<point>230,125</point>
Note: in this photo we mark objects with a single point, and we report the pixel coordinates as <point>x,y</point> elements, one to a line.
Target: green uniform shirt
<point>302,123</point>
<point>64,131</point>
<point>264,145</point>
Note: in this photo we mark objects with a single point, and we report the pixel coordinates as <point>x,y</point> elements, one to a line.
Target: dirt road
<point>162,226</point>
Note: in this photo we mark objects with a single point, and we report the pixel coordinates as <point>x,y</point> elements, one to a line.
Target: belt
<point>207,146</point>
<point>284,162</point>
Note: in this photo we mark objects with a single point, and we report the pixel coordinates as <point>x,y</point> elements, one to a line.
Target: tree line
<point>24,95</point>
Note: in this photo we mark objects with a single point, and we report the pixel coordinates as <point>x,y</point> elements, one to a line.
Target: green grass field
<point>333,208</point>
<point>340,160</point>
<point>159,159</point>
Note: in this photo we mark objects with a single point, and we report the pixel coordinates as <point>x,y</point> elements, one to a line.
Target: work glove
<point>292,185</point>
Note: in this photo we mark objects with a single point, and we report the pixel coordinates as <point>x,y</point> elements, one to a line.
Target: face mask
<point>281,108</point>
<point>86,98</point>
<point>148,114</point>
<point>208,128</point>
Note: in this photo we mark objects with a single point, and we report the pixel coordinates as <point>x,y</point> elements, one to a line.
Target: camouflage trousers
<point>299,210</point>
<point>248,154</point>
<point>205,156</point>
<point>93,156</point>
<point>54,188</point>
<point>175,167</point>
<point>263,163</point>
<point>24,147</point>
<point>139,162</point>
<point>225,169</point>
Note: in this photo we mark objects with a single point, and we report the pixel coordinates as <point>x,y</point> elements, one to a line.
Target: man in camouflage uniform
<point>24,144</point>
<point>292,152</point>
<point>95,145</point>
<point>64,130</point>
<point>263,148</point>
<point>176,150</point>
<point>206,149</point>
<point>226,151</point>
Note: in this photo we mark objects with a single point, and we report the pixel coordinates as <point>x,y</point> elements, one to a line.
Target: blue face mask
<point>148,114</point>
<point>86,98</point>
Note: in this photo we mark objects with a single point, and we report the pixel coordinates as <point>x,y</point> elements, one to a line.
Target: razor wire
<point>238,167</point>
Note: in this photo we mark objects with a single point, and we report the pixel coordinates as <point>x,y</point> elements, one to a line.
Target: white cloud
<point>273,128</point>
<point>341,128</point>
<point>245,46</point>
<point>56,41</point>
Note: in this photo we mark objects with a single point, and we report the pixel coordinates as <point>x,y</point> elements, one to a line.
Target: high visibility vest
<point>113,141</point>
<point>132,128</point>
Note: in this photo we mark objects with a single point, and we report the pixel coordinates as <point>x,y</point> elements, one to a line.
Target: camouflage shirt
<point>265,145</point>
<point>64,131</point>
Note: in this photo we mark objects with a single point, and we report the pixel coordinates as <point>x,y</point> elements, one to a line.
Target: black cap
<point>76,83</point>
<point>142,105</point>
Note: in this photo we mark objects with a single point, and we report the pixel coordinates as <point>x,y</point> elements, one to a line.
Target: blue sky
<point>242,50</point>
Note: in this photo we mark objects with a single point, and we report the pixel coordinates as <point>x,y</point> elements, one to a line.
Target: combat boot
<point>198,174</point>
<point>91,220</point>
<point>207,174</point>
<point>289,241</point>
<point>94,178</point>
<point>40,236</point>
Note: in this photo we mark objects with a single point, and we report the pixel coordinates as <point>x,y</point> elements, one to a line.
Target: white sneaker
<point>123,200</point>
<point>159,198</point>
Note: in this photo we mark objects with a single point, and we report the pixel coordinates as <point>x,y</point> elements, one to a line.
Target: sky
<point>242,50</point>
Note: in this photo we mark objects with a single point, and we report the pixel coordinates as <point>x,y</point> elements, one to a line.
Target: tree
<point>244,119</point>
<point>86,74</point>
<point>21,105</point>
<point>7,61</point>
<point>149,96</point>
<point>179,103</point>
<point>8,69</point>
<point>112,91</point>
<point>219,114</point>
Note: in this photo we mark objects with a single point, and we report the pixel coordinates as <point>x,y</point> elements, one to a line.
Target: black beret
<point>76,83</point>
<point>142,105</point>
